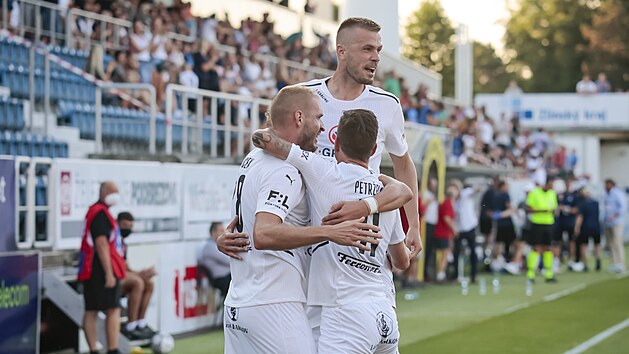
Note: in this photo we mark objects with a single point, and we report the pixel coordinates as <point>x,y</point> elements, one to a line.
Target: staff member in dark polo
<point>101,267</point>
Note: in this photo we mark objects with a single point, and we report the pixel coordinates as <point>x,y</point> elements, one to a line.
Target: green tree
<point>490,74</point>
<point>608,39</point>
<point>430,42</point>
<point>546,46</point>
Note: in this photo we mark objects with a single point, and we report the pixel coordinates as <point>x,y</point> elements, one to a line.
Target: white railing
<point>247,121</point>
<point>38,17</point>
<point>33,221</point>
<point>42,18</point>
<point>98,108</point>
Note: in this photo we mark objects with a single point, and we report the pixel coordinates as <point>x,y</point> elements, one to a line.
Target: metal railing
<point>33,218</point>
<point>38,17</point>
<point>104,21</point>
<point>217,106</point>
<point>41,18</point>
<point>98,108</point>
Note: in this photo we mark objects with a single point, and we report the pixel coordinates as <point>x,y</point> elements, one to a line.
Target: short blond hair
<point>288,100</point>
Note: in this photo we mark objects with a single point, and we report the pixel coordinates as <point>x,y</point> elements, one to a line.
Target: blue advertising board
<point>7,206</point>
<point>19,303</point>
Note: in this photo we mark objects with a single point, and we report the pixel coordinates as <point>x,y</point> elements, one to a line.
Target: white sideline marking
<point>515,308</point>
<point>563,293</point>
<point>598,338</point>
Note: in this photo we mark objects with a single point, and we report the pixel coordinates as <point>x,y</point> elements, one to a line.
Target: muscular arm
<point>269,233</point>
<point>267,140</point>
<point>404,171</point>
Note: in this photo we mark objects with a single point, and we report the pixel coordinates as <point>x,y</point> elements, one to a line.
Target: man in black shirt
<point>101,267</point>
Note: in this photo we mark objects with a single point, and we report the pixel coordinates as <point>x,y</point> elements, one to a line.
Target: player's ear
<point>340,50</point>
<point>337,146</point>
<point>298,117</point>
<point>375,147</point>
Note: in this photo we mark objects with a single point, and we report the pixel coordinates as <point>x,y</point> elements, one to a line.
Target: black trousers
<point>470,236</point>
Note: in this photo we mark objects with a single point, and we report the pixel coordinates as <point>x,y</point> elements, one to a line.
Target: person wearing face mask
<point>136,286</point>
<point>101,267</point>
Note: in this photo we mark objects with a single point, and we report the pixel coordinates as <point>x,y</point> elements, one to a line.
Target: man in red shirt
<point>445,231</point>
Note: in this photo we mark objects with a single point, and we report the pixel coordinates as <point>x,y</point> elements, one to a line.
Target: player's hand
<point>231,243</point>
<point>354,233</point>
<point>344,211</point>
<point>110,281</point>
<point>414,241</point>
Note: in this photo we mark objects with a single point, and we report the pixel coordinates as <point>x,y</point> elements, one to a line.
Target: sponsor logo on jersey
<point>385,324</point>
<point>332,134</point>
<point>277,200</point>
<point>327,152</point>
<point>290,179</point>
<point>233,313</point>
<point>358,263</point>
<point>246,162</point>
<point>305,155</point>
<point>322,96</point>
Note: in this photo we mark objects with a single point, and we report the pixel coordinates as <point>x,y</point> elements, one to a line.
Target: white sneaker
<point>441,276</point>
<point>513,268</point>
<point>613,269</point>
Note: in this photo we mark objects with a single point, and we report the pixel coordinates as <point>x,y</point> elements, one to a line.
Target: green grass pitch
<point>555,319</point>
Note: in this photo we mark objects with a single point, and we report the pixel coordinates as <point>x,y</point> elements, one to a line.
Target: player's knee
<point>149,286</point>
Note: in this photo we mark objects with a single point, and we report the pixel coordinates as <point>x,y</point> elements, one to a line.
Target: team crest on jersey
<point>305,155</point>
<point>332,134</point>
<point>233,313</point>
<point>384,323</point>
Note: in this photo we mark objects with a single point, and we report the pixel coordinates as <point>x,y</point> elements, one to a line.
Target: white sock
<point>132,325</point>
<point>142,323</point>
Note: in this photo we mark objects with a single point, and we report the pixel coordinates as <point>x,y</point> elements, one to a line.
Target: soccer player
<point>358,47</point>
<point>264,308</point>
<point>541,204</point>
<point>356,315</point>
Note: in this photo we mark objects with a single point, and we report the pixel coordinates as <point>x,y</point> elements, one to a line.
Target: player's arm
<point>267,140</point>
<point>404,171</point>
<point>270,233</point>
<point>400,256</point>
<point>393,196</point>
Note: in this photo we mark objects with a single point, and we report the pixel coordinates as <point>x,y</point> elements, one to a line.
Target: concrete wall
<point>615,162</point>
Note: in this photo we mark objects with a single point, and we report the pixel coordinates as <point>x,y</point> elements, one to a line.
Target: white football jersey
<point>267,184</point>
<point>383,104</point>
<point>340,275</point>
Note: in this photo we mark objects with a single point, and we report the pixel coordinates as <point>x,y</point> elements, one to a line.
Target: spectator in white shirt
<point>586,86</point>
<point>140,44</point>
<point>158,42</point>
<point>431,216</point>
<point>466,221</point>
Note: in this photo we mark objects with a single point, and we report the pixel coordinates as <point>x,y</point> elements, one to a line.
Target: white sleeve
<point>280,192</point>
<point>395,140</point>
<point>313,167</point>
<point>397,233</point>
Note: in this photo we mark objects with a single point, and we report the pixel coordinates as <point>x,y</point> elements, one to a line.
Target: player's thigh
<point>281,328</point>
<point>358,329</point>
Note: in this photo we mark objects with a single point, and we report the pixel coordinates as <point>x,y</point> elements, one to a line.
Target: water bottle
<point>464,287</point>
<point>411,295</point>
<point>482,286</point>
<point>496,285</point>
<point>529,288</point>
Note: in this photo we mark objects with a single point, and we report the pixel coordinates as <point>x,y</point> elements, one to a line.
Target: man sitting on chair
<point>214,263</point>
<point>137,287</point>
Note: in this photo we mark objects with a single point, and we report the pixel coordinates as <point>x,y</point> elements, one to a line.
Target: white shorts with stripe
<point>280,328</point>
